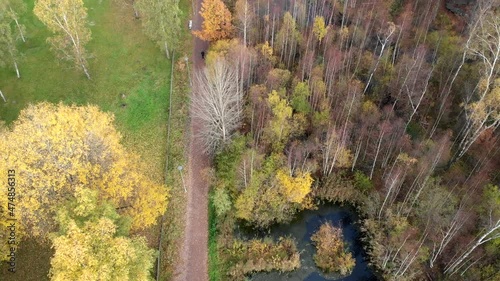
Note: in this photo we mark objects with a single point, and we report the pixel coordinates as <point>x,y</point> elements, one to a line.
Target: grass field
<point>130,78</point>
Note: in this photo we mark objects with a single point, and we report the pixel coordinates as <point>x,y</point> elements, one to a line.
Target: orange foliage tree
<point>216,21</point>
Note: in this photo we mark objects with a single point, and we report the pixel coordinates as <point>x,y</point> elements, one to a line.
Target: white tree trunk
<point>17,70</point>
<point>20,30</point>
<point>490,234</point>
<point>166,51</point>
<point>1,94</point>
<point>85,71</point>
<point>376,154</point>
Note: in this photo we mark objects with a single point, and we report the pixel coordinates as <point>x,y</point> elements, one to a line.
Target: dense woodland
<point>389,105</point>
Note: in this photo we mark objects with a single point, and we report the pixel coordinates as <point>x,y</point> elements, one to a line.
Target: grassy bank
<point>176,147</point>
<point>214,272</point>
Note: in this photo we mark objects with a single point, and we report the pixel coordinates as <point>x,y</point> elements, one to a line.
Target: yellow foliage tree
<point>280,126</point>
<point>319,28</point>
<point>216,21</point>
<point>294,188</point>
<point>58,149</point>
<point>93,244</point>
<point>5,223</point>
<point>272,195</point>
<point>219,50</point>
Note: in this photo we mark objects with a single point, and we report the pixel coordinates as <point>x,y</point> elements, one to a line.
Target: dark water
<point>302,228</point>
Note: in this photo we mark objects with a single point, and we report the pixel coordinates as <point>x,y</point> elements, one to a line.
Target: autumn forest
<point>389,106</point>
<point>344,139</point>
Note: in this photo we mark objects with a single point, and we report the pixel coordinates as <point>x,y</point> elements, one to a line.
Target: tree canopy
<point>92,244</point>
<point>216,21</point>
<point>57,150</point>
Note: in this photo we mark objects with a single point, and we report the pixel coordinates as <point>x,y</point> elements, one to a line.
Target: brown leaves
<point>331,254</point>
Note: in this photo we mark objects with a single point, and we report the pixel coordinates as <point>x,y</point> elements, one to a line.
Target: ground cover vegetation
<point>389,105</point>
<point>332,254</point>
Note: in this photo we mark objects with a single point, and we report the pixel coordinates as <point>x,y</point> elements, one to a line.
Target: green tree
<point>362,182</point>
<point>57,150</point>
<point>8,50</point>
<point>67,19</point>
<point>93,244</point>
<point>222,202</point>
<point>161,21</point>
<point>9,12</point>
<point>299,98</point>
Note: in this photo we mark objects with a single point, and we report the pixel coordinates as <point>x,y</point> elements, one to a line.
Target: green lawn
<point>130,78</point>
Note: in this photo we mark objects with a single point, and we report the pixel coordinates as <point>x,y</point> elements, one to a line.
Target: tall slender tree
<point>217,103</point>
<point>9,12</point>
<point>67,19</point>
<point>13,9</point>
<point>482,107</point>
<point>161,21</point>
<point>8,51</point>
<point>245,16</point>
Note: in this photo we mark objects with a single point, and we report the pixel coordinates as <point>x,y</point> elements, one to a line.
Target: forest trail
<point>193,264</point>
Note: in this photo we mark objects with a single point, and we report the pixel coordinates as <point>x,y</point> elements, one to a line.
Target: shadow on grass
<point>32,263</point>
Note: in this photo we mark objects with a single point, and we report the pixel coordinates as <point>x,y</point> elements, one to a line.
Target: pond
<point>302,228</point>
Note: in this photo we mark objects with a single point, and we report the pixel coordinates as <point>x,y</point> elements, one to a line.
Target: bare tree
<point>217,103</point>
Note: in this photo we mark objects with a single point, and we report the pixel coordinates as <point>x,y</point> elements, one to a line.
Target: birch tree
<point>67,20</point>
<point>93,244</point>
<point>287,39</point>
<point>335,152</point>
<point>482,108</point>
<point>161,21</point>
<point>8,50</point>
<point>383,39</point>
<point>217,103</point>
<point>490,217</point>
<point>245,16</point>
<point>13,9</point>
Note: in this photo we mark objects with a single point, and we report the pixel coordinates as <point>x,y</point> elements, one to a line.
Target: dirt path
<point>193,265</point>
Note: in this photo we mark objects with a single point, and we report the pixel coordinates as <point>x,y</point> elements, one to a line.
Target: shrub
<point>221,201</point>
<point>263,255</point>
<point>331,253</point>
<point>362,182</point>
